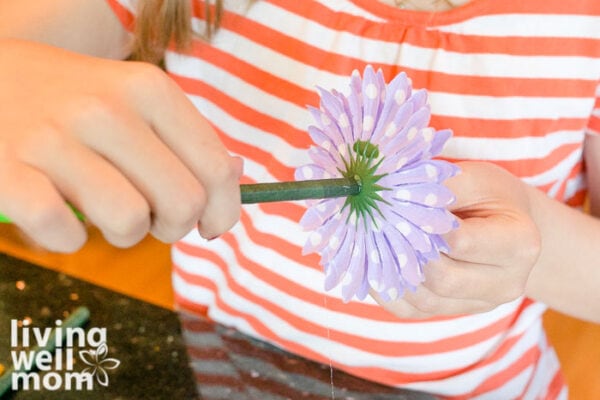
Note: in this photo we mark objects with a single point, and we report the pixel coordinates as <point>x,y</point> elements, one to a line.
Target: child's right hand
<point>117,140</point>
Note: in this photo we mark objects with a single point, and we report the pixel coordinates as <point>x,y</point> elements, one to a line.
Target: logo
<point>46,358</point>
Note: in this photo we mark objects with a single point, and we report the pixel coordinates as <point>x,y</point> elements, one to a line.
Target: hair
<point>162,22</point>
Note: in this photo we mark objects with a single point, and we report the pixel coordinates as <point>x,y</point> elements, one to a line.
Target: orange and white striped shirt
<point>516,82</point>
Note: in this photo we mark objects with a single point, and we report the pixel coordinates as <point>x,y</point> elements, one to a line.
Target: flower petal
<point>393,115</point>
<point>375,262</point>
<point>334,110</point>
<point>435,171</point>
<point>320,212</point>
<point>401,153</point>
<point>337,267</point>
<point>335,241</point>
<point>418,239</point>
<point>310,171</point>
<point>372,93</point>
<point>405,257</point>
<point>429,220</point>
<point>325,161</point>
<point>439,140</point>
<point>355,274</point>
<point>319,239</point>
<point>427,194</point>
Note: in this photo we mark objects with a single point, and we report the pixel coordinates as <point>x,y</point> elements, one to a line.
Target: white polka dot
<point>326,144</point>
<point>401,162</point>
<point>400,96</point>
<point>431,200</point>
<point>404,228</point>
<point>402,194</point>
<point>427,228</point>
<point>315,238</point>
<point>334,242</point>
<point>353,219</point>
<point>347,279</point>
<point>431,171</point>
<point>371,91</point>
<point>391,129</point>
<point>321,207</point>
<point>428,134</point>
<point>307,172</point>
<point>393,293</point>
<point>412,133</point>
<point>325,120</point>
<point>402,260</point>
<point>343,121</point>
<point>374,256</point>
<point>342,149</point>
<point>368,123</point>
<point>375,285</point>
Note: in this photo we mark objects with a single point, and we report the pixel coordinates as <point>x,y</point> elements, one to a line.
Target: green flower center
<point>361,167</point>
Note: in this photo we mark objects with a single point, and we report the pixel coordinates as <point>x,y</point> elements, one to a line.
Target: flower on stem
<point>378,136</point>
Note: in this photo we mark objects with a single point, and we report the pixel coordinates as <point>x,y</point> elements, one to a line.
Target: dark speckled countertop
<point>162,355</point>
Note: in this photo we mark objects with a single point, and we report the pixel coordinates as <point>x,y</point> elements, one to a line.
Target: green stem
<point>283,191</point>
<point>298,190</point>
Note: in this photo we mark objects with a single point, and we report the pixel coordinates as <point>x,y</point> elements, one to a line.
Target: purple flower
<point>382,238</point>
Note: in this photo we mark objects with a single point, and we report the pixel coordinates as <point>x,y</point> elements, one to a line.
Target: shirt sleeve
<point>125,11</point>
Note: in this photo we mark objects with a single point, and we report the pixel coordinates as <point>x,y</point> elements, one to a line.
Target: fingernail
<point>213,238</point>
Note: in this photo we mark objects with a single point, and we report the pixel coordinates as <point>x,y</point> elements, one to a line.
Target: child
<point>515,80</point>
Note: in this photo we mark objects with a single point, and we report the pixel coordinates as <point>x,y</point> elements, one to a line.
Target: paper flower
<point>381,238</point>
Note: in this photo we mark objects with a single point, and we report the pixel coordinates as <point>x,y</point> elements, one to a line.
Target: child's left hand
<point>491,254</point>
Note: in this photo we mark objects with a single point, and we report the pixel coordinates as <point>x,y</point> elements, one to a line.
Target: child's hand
<point>117,140</point>
<point>491,254</point>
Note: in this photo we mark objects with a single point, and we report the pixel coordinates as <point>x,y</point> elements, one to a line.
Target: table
<point>161,354</point>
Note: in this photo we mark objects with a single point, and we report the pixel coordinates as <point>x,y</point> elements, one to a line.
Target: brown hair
<point>162,22</point>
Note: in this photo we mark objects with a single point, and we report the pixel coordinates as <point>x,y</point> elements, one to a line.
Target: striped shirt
<point>516,82</point>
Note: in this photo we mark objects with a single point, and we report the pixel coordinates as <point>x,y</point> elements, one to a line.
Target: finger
<point>421,304</point>
<point>493,219</point>
<point>430,303</point>
<point>222,211</point>
<point>195,141</point>
<point>491,239</point>
<point>31,201</point>
<point>449,278</point>
<point>176,198</point>
<point>484,183</point>
<point>97,189</point>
